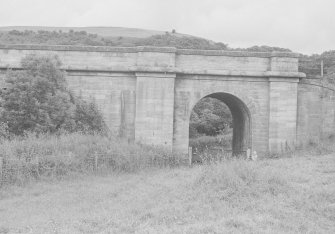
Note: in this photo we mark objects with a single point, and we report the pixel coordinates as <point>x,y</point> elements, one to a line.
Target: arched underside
<point>241,122</point>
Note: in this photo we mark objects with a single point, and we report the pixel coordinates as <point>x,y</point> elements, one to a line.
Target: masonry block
<point>154,109</point>
<point>282,114</point>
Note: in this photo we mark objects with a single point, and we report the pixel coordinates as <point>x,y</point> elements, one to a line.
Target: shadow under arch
<point>242,137</point>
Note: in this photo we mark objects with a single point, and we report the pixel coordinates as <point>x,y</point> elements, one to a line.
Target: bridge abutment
<point>154,108</point>
<point>282,114</point>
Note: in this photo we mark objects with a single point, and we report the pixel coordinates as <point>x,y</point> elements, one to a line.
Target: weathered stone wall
<point>328,112</point>
<point>114,94</point>
<point>316,111</point>
<point>154,109</point>
<point>282,114</point>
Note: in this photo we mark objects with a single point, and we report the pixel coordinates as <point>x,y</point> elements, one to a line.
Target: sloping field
<point>290,195</point>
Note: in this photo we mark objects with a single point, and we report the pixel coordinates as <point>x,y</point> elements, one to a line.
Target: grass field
<point>287,195</point>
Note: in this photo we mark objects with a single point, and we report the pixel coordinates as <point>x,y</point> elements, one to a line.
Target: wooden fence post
<point>1,163</point>
<point>190,156</point>
<point>248,153</point>
<point>38,166</point>
<point>96,161</point>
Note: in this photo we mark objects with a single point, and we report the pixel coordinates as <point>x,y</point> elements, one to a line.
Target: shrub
<point>37,99</point>
<point>88,118</point>
<point>204,142</point>
<point>209,117</point>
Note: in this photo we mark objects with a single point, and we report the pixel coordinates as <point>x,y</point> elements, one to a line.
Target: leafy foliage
<point>52,38</point>
<point>311,65</point>
<point>37,99</point>
<point>87,117</point>
<point>209,117</point>
<point>83,38</point>
<point>264,48</point>
<point>181,42</point>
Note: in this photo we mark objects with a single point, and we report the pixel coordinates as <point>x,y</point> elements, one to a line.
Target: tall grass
<point>204,142</point>
<point>36,157</point>
<point>238,179</point>
<point>313,147</point>
<point>48,156</point>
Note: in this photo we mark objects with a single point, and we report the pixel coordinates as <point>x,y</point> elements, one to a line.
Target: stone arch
<point>241,111</point>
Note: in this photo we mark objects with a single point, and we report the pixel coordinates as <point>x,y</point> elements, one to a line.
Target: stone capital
<point>156,74</point>
<point>284,79</point>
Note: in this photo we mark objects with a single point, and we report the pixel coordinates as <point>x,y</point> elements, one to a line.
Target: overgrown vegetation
<point>33,157</point>
<point>210,128</point>
<point>315,146</point>
<point>53,38</point>
<point>37,99</point>
<point>43,37</point>
<point>223,141</point>
<point>209,117</point>
<point>181,42</point>
<point>293,195</point>
<point>312,65</point>
<point>43,157</point>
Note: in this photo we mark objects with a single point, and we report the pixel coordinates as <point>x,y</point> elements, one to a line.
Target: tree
<point>37,99</point>
<point>209,117</point>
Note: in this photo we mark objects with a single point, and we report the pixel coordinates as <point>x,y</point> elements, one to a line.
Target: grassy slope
<point>102,31</point>
<point>108,36</point>
<point>108,32</point>
<point>292,195</point>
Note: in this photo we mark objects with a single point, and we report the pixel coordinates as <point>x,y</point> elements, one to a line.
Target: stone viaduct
<point>146,94</point>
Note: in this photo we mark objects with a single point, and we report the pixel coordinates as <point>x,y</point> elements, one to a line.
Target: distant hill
<point>108,32</point>
<point>103,36</point>
<point>101,31</point>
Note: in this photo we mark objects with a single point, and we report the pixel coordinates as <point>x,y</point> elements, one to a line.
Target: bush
<point>182,42</point>
<point>209,117</point>
<point>204,142</point>
<point>37,99</point>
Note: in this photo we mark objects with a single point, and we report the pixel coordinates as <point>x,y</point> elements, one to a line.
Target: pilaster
<point>154,108</point>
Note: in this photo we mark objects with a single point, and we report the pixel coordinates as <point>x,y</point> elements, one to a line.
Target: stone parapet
<point>89,48</point>
<point>236,53</point>
<point>136,49</point>
<point>159,59</point>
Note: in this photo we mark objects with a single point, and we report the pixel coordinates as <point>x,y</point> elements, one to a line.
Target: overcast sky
<point>306,26</point>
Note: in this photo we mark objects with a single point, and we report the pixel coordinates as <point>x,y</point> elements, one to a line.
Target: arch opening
<point>236,133</point>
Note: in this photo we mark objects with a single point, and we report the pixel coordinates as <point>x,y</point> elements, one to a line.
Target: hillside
<point>101,31</point>
<point>68,36</point>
